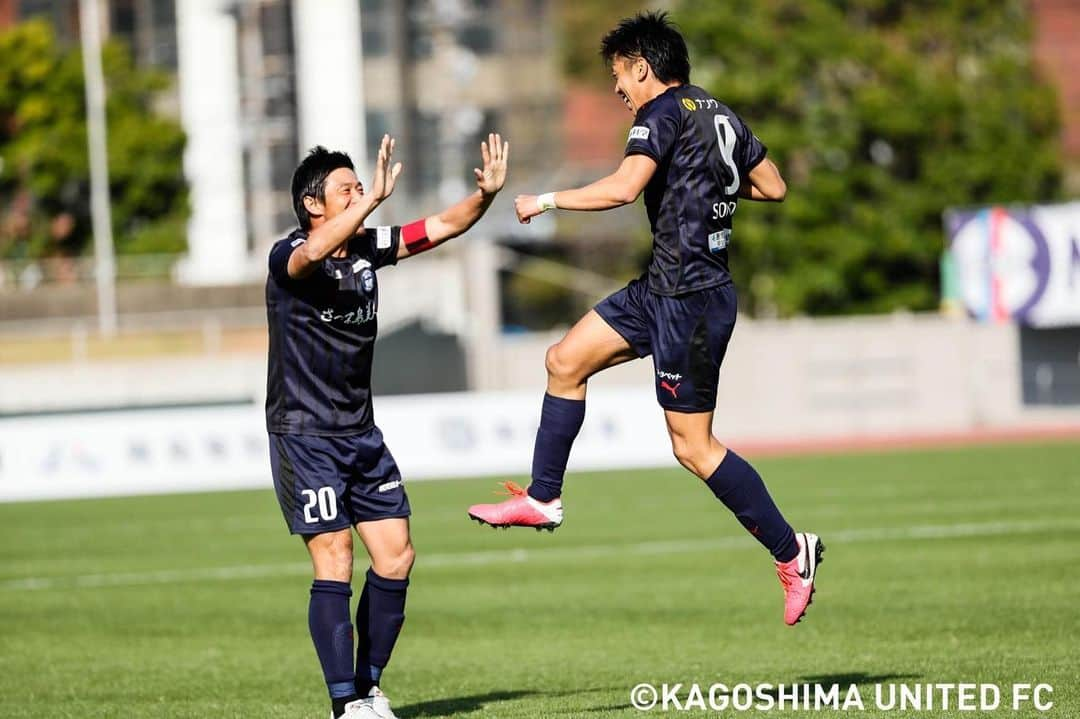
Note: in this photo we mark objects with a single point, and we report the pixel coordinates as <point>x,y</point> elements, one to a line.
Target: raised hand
<point>385,175</point>
<point>495,153</point>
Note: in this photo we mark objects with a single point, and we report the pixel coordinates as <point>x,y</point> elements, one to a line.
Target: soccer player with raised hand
<point>694,158</point>
<point>332,471</point>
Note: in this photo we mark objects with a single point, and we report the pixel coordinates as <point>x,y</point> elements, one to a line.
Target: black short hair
<point>650,35</point>
<point>309,179</point>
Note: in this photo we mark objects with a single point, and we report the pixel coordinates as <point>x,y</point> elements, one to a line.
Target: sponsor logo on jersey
<point>721,210</point>
<point>638,132</point>
<point>719,240</point>
<point>673,376</point>
<point>387,486</point>
<point>383,239</point>
<point>359,316</point>
<point>700,103</point>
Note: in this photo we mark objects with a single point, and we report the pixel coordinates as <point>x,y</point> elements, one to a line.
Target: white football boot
<point>379,704</point>
<point>359,709</point>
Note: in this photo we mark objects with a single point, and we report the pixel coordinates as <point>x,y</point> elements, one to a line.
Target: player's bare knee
<point>406,560</point>
<point>555,363</point>
<point>561,366</point>
<point>396,565</point>
<point>681,448</point>
<point>332,556</point>
<point>685,463</point>
<point>341,558</point>
<point>692,455</point>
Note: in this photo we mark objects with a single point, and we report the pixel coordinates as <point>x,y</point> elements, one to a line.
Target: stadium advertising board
<point>130,452</point>
<point>1015,264</point>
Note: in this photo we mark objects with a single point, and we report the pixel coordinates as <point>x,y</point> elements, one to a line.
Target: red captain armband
<point>414,235</point>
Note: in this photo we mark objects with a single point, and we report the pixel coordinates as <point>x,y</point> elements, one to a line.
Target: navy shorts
<point>687,337</point>
<point>325,484</point>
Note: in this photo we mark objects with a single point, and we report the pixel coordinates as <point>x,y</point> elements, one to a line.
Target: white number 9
<point>726,140</point>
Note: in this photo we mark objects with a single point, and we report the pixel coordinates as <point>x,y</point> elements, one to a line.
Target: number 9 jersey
<point>703,153</point>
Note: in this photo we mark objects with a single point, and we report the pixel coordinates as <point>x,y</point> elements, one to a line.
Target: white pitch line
<point>515,556</point>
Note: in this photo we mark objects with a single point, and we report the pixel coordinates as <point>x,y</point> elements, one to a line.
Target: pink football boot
<point>797,576</point>
<point>520,510</point>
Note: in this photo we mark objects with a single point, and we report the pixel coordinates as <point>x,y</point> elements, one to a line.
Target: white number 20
<point>324,499</point>
<point>726,140</point>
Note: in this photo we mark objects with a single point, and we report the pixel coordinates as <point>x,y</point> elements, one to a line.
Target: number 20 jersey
<point>703,153</point>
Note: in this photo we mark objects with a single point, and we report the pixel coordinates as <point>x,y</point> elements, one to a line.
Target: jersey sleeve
<point>279,258</point>
<point>655,130</point>
<point>750,149</point>
<point>380,244</point>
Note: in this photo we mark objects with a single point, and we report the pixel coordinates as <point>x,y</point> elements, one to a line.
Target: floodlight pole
<point>104,260</point>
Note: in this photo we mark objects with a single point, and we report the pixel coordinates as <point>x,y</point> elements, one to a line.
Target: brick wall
<point>592,118</point>
<point>1057,49</point>
<point>7,13</point>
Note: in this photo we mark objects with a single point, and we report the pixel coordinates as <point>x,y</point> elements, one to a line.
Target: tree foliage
<point>881,114</point>
<point>44,166</point>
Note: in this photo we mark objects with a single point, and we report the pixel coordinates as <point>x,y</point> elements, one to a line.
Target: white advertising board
<point>224,447</point>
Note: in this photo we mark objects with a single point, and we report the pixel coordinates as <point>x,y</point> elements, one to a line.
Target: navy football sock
<point>739,487</point>
<point>379,617</point>
<point>560,421</point>
<point>332,634</point>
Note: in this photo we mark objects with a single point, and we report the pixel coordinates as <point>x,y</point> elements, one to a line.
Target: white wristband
<point>546,202</point>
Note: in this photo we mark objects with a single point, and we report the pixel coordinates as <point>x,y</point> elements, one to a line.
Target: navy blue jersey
<point>322,336</point>
<point>703,153</point>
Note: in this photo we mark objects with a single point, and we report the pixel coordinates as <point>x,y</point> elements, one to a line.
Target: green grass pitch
<point>942,566</point>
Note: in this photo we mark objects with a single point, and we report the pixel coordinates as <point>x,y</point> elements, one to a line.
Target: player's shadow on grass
<point>462,705</point>
<point>846,678</point>
<point>843,680</point>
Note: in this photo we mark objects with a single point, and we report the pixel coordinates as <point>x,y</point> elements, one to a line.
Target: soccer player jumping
<point>332,471</point>
<point>694,158</point>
